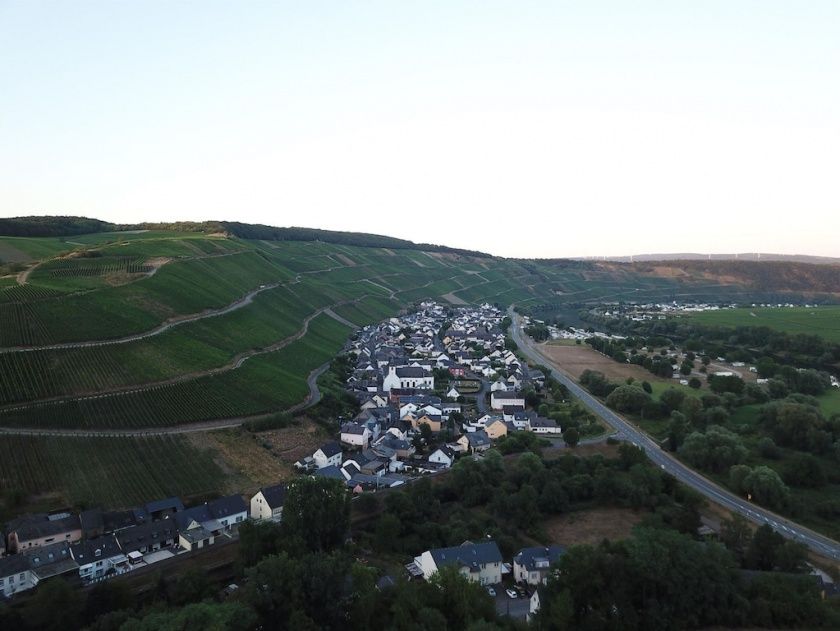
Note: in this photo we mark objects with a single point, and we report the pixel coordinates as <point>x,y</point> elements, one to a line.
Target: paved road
<point>625,430</point>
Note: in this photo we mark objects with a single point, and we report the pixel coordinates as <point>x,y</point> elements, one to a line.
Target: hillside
<point>146,332</point>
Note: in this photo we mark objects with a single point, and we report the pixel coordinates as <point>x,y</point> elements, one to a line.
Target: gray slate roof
<point>534,559</point>
<point>468,554</point>
<point>275,495</point>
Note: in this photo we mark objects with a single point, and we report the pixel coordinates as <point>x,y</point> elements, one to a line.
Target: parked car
<point>491,591</point>
<point>512,593</point>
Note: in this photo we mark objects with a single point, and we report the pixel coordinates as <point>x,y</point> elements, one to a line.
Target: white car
<point>511,593</point>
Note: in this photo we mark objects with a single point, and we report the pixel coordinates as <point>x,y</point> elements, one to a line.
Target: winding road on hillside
<point>818,543</point>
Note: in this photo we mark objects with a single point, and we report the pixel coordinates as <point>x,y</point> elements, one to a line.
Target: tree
<point>673,398</point>
<point>804,470</point>
<point>316,512</point>
<point>736,535</point>
<point>647,387</point>
<point>726,383</point>
<point>762,550</point>
<point>257,540</point>
<point>766,487</point>
<point>695,383</point>
<point>230,616</point>
<point>191,587</point>
<point>56,606</point>
<point>677,430</point>
<point>628,399</point>
<point>571,437</point>
<point>716,450</point>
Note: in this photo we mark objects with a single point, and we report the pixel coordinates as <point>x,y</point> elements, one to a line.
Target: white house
<point>499,399</point>
<point>478,562</point>
<point>98,557</point>
<point>545,426</point>
<point>443,455</point>
<point>228,511</point>
<point>499,386</point>
<point>268,503</point>
<point>531,565</point>
<point>355,435</point>
<point>328,454</point>
<point>453,393</point>
<point>15,574</point>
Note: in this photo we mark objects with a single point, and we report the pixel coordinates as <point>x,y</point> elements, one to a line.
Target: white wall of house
<point>489,573</point>
<point>17,582</point>
<point>440,458</point>
<point>357,440</point>
<point>322,461</point>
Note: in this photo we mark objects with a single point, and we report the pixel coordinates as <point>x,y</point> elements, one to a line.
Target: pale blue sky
<point>519,128</point>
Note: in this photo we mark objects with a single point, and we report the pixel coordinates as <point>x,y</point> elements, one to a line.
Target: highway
<point>667,462</point>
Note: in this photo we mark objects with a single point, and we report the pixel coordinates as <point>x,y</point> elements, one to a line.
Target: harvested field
<point>573,360</point>
<point>592,526</point>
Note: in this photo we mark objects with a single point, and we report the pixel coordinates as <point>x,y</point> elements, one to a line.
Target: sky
<point>526,128</point>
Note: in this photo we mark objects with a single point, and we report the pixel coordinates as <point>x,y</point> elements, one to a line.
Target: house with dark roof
<point>268,502</point>
<point>355,435</point>
<point>499,399</point>
<point>541,425</point>
<point>332,472</point>
<point>52,560</point>
<point>443,455</point>
<point>475,442</point>
<point>532,565</point>
<point>163,509</point>
<point>98,557</point>
<point>229,511</point>
<point>328,454</point>
<point>15,575</point>
<point>148,537</point>
<point>478,562</point>
<point>34,531</point>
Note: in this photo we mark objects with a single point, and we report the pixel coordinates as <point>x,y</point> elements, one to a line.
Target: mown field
<point>823,321</point>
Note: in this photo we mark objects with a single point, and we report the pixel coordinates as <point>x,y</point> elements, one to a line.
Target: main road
<point>667,462</point>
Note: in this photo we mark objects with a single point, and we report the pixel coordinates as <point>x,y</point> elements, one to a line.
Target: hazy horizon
<point>547,130</point>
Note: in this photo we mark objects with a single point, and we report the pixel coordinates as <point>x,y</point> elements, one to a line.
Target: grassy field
<point>823,321</point>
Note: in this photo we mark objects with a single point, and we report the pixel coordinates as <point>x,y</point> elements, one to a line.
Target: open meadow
<point>823,321</point>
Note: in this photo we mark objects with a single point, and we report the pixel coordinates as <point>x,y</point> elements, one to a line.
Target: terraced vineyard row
<point>177,289</point>
<point>265,383</point>
<point>109,472</point>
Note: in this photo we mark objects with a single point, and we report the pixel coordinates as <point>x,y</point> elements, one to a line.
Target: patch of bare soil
<point>115,279</point>
<point>293,443</point>
<point>251,461</point>
<point>582,451</point>
<point>453,299</point>
<point>592,526</point>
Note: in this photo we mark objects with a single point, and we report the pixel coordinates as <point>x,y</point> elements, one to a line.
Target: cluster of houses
<point>482,563</point>
<point>394,380</point>
<point>96,544</point>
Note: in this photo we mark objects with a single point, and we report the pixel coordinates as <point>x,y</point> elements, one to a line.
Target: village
<point>434,385</point>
